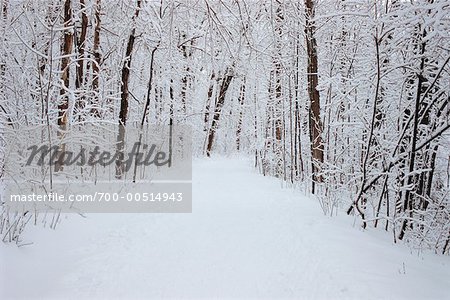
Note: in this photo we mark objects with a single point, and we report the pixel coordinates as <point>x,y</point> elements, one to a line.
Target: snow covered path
<point>246,238</point>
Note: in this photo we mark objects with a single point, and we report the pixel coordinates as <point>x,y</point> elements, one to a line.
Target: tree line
<point>348,99</point>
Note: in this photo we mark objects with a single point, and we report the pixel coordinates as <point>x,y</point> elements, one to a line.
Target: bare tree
<point>225,83</point>
<point>124,93</point>
<point>315,123</point>
<point>63,104</point>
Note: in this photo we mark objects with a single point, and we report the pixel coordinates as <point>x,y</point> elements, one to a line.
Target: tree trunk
<point>208,101</point>
<point>63,105</point>
<point>124,94</point>
<point>228,76</point>
<point>408,200</point>
<point>278,109</point>
<point>315,124</point>
<point>97,59</point>
<point>80,45</point>
<point>241,113</point>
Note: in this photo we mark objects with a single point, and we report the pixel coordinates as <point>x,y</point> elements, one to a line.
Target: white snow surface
<point>247,238</point>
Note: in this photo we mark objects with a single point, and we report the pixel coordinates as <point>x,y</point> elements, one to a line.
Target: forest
<point>347,101</point>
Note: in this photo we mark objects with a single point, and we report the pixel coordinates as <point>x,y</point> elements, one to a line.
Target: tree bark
<point>228,76</point>
<point>97,59</point>
<point>241,113</point>
<point>408,200</point>
<point>63,105</point>
<point>315,123</point>
<point>80,47</point>
<point>124,94</point>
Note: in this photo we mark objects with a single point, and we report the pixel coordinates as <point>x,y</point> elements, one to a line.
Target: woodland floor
<point>246,238</point>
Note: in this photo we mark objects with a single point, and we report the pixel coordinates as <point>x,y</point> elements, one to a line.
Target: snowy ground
<point>246,238</point>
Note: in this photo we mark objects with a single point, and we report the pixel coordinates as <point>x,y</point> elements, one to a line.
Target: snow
<point>246,238</point>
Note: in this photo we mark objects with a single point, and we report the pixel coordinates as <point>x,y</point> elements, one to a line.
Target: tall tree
<point>124,92</point>
<point>315,123</point>
<point>225,83</point>
<point>63,104</point>
<point>97,59</point>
